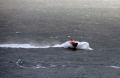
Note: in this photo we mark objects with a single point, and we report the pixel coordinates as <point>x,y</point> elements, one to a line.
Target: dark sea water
<point>40,24</point>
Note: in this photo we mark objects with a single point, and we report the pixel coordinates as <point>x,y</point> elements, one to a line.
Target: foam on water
<point>38,66</point>
<point>116,67</point>
<point>21,46</point>
<point>81,45</point>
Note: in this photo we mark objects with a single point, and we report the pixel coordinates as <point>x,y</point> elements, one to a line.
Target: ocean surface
<point>31,35</point>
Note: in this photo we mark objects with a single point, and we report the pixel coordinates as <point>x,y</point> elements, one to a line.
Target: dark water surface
<point>22,24</point>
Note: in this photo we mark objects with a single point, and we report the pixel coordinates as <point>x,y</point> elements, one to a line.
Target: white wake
<point>21,46</point>
<point>81,45</point>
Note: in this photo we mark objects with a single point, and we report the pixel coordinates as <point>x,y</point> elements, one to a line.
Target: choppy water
<point>43,64</point>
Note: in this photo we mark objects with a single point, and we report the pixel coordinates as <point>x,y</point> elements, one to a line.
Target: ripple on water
<point>42,64</point>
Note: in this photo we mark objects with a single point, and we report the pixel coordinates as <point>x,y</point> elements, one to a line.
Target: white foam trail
<point>116,67</point>
<point>81,45</point>
<point>21,46</point>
